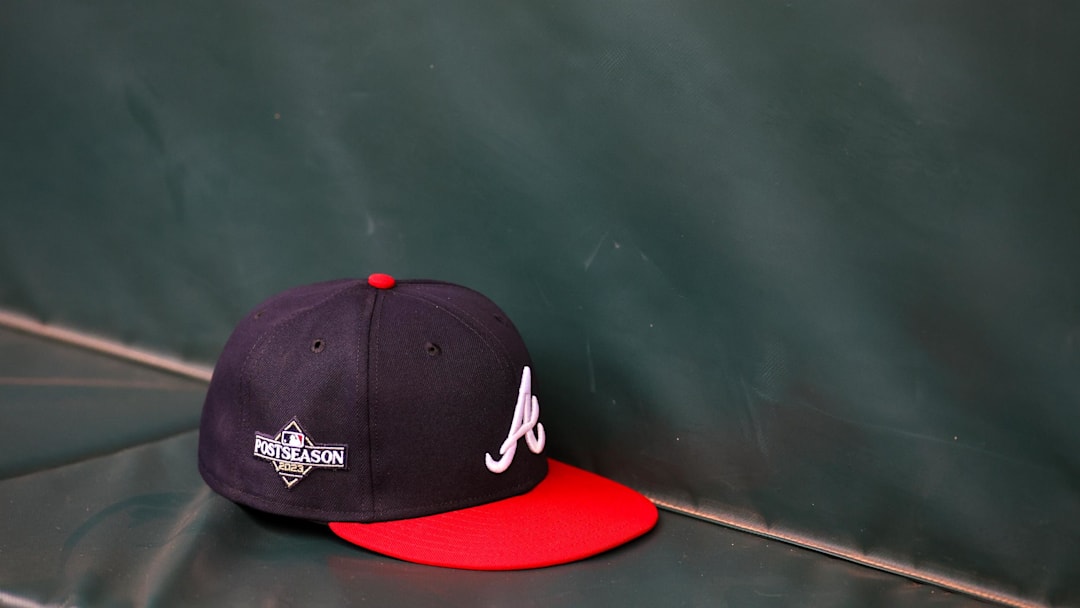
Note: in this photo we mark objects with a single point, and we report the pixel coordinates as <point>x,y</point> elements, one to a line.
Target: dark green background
<point>813,266</point>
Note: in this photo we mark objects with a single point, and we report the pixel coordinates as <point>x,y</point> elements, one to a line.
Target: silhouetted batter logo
<point>294,454</point>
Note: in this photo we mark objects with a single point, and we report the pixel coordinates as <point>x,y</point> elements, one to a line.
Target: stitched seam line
<point>747,526</point>
<point>371,393</point>
<point>245,392</point>
<point>500,350</point>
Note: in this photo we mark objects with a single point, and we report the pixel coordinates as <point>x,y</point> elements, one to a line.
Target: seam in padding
<point>161,362</point>
<point>947,583</point>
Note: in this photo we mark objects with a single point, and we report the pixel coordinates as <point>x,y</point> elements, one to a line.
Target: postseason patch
<point>294,454</point>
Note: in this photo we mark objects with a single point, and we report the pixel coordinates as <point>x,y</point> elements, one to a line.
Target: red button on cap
<point>381,281</point>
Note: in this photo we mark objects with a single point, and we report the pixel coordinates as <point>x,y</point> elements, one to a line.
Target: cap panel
<point>300,449</point>
<point>436,412</point>
<point>221,453</point>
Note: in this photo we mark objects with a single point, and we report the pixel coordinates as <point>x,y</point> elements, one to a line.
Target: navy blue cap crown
<point>368,400</point>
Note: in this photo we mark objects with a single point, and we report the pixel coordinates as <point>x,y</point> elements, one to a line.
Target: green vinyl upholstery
<point>131,523</point>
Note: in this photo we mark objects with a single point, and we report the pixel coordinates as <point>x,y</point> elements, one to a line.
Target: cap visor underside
<point>570,515</point>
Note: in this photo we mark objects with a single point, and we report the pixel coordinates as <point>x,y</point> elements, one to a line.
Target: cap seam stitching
<point>501,351</point>
<point>245,392</point>
<point>372,390</point>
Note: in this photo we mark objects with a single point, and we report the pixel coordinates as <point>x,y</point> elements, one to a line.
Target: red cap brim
<point>570,515</point>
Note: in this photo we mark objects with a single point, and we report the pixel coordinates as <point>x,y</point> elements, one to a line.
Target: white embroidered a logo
<point>526,424</point>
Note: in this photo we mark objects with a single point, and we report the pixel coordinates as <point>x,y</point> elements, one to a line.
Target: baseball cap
<point>406,416</point>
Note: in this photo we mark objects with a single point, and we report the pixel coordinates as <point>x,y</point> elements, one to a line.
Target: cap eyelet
<point>318,345</point>
<point>259,314</point>
<point>432,349</point>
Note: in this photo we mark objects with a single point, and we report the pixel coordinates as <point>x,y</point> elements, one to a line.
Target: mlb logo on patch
<point>292,439</point>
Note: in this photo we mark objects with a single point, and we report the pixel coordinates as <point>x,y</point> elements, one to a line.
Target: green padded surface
<point>58,404</point>
<point>135,525</point>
